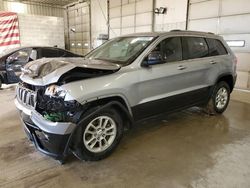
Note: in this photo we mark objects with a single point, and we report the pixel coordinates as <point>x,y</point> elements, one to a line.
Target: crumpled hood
<point>48,70</point>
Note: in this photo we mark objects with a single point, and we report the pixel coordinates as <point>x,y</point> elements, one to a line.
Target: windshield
<point>121,50</point>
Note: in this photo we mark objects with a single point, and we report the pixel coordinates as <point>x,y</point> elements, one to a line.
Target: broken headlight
<point>55,91</point>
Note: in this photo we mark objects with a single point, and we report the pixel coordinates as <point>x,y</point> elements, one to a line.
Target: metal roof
<point>46,2</point>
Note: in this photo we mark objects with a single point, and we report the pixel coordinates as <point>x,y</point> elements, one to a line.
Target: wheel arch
<point>118,103</point>
<point>228,78</point>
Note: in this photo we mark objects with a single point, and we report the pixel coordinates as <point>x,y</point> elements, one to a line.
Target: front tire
<point>1,83</point>
<point>99,136</point>
<point>219,100</point>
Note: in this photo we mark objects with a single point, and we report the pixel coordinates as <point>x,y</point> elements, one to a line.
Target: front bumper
<point>50,138</point>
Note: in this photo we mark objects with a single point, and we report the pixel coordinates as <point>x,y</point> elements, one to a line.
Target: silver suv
<point>83,105</point>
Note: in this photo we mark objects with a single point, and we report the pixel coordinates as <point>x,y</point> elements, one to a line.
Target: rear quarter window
<point>49,52</point>
<point>216,47</point>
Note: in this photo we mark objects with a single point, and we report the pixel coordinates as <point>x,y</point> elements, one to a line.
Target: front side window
<point>194,47</point>
<point>215,47</point>
<point>168,50</point>
<point>171,50</point>
<point>20,57</point>
<point>121,50</point>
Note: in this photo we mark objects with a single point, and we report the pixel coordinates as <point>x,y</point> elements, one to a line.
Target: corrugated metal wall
<point>34,9</point>
<point>130,16</point>
<point>122,16</point>
<point>228,18</point>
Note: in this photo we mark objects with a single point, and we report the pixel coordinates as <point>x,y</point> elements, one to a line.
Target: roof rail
<point>175,30</point>
<point>179,30</point>
<point>210,33</point>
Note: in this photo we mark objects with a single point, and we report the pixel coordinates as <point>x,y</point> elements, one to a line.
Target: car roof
<point>175,32</point>
<point>22,47</point>
<point>12,50</point>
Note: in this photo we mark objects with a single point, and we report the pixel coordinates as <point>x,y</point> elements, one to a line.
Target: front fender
<point>112,104</point>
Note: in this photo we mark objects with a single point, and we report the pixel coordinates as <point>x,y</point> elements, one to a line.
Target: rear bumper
<point>50,138</point>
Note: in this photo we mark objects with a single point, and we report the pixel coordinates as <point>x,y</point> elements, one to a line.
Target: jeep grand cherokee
<point>83,105</point>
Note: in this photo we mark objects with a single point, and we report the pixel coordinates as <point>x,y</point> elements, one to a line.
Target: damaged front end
<point>48,118</point>
<point>52,106</point>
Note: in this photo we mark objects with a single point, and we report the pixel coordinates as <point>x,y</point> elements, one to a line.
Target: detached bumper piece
<point>50,144</point>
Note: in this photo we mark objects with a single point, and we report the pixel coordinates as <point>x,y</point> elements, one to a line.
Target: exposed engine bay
<point>44,72</point>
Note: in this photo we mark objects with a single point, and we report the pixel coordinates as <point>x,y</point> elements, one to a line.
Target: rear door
<point>220,60</point>
<point>200,65</point>
<point>179,82</point>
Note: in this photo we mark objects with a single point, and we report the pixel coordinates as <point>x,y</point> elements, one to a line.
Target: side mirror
<point>152,59</point>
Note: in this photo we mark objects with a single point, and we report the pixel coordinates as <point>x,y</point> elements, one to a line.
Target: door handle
<point>181,67</point>
<point>213,62</point>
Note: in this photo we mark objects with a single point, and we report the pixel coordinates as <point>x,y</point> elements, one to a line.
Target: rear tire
<point>1,83</point>
<point>99,136</point>
<point>219,100</point>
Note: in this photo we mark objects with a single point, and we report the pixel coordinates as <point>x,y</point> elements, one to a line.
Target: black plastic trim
<point>172,103</point>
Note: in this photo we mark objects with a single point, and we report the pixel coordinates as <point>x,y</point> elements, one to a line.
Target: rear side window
<point>61,53</point>
<point>216,47</point>
<point>49,52</point>
<point>69,54</point>
<point>194,47</point>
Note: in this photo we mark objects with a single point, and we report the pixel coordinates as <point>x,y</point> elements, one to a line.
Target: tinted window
<point>49,52</point>
<point>61,53</point>
<point>194,47</point>
<point>69,54</point>
<point>216,47</point>
<point>170,49</point>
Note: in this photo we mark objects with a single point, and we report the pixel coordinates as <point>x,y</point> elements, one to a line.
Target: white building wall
<point>34,9</point>
<point>228,18</point>
<point>99,20</point>
<point>41,30</point>
<point>130,16</point>
<point>175,18</point>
